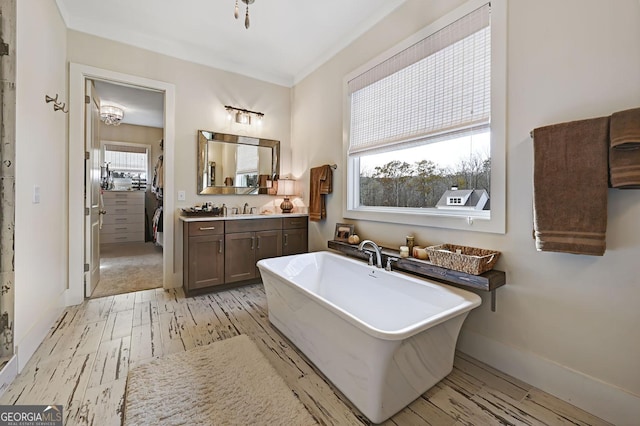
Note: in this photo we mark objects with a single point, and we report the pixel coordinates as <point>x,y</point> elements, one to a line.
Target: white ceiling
<point>287,39</point>
<point>141,107</point>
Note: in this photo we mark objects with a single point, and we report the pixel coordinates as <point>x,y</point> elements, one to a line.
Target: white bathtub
<point>383,338</point>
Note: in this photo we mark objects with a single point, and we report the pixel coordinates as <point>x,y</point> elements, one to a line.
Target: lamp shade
<point>286,187</point>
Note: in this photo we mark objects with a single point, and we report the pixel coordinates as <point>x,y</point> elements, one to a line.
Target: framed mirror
<point>233,164</point>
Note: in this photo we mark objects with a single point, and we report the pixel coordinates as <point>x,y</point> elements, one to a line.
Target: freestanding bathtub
<point>382,338</point>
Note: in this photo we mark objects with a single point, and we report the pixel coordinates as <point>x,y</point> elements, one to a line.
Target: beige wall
<point>201,94</point>
<point>565,323</point>
<point>41,160</point>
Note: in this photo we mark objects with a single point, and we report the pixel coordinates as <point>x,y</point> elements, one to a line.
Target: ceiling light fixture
<point>243,116</point>
<point>236,12</point>
<point>111,115</point>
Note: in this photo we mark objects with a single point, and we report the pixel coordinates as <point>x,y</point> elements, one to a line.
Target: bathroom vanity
<point>221,252</point>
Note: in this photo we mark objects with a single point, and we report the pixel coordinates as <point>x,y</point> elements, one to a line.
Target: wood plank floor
<point>83,365</point>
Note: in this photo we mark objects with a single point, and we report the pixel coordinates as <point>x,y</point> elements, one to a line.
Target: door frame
<point>92,188</point>
<point>78,73</point>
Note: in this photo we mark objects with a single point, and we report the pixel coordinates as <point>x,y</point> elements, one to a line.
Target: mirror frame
<point>206,136</point>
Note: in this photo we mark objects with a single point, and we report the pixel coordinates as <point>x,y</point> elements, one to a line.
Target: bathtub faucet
<point>375,248</point>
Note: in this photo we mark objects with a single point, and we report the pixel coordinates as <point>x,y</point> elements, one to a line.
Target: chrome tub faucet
<point>376,249</point>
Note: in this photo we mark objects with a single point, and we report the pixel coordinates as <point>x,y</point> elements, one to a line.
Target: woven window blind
<point>126,158</point>
<point>436,88</point>
<point>247,159</point>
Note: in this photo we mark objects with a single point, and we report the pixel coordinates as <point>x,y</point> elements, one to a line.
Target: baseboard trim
<point>26,347</point>
<point>602,399</point>
<point>8,373</point>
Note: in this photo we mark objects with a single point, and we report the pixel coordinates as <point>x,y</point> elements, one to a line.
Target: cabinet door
<point>206,261</point>
<point>294,241</point>
<point>268,244</point>
<point>239,256</point>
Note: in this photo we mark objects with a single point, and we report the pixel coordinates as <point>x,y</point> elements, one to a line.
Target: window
<point>246,166</point>
<point>125,166</point>
<point>429,118</point>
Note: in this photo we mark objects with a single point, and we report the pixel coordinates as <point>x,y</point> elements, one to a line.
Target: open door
<point>92,194</point>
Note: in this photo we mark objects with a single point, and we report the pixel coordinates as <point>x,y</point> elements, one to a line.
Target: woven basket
<point>470,260</point>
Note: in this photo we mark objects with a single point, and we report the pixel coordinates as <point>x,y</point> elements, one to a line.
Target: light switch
<point>182,195</point>
<point>36,194</point>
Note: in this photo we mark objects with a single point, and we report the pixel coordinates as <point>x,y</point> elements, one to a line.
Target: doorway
<point>79,74</point>
<point>131,234</point>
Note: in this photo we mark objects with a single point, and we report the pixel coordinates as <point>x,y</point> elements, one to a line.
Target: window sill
<point>478,221</point>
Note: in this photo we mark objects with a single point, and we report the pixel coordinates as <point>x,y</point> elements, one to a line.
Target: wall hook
<point>48,99</point>
<point>57,105</point>
<point>60,107</point>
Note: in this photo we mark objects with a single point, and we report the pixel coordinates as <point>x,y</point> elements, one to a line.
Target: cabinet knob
<point>219,246</point>
<point>286,239</point>
<point>258,246</point>
<point>207,228</point>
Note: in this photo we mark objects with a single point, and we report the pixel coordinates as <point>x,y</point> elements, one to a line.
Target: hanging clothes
<point>158,178</point>
<point>157,225</point>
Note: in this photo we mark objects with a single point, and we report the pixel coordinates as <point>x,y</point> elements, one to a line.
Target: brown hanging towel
<point>320,185</point>
<point>570,174</point>
<point>624,149</point>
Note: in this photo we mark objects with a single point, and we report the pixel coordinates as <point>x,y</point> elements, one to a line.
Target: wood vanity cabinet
<point>203,255</point>
<point>295,233</point>
<point>223,253</point>
<point>246,242</point>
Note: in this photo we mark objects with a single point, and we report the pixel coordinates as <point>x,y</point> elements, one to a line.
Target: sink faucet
<point>244,209</point>
<point>375,248</point>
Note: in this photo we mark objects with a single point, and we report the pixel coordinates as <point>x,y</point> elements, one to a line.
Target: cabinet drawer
<point>122,238</point>
<point>250,225</point>
<point>121,228</point>
<point>213,227</point>
<point>123,218</point>
<point>294,222</point>
<point>111,198</point>
<point>124,209</point>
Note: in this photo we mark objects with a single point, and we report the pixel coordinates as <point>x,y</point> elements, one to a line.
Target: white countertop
<point>239,217</point>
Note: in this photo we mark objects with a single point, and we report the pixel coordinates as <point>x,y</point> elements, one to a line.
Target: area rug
<point>225,383</point>
<point>128,267</point>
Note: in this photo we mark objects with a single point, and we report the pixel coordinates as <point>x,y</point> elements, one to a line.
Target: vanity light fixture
<point>111,115</point>
<point>243,116</point>
<point>236,12</point>
<point>287,188</point>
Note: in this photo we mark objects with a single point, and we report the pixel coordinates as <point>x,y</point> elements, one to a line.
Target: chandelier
<point>236,12</point>
<point>111,115</point>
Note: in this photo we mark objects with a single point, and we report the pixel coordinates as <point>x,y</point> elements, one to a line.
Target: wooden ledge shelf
<point>488,281</point>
